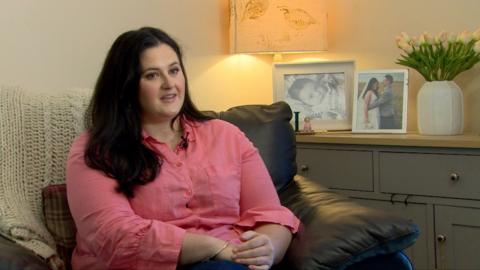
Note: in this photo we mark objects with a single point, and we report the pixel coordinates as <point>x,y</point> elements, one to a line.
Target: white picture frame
<point>321,93</point>
<point>387,101</point>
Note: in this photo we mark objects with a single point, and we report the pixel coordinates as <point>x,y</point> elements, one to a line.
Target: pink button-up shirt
<point>217,186</point>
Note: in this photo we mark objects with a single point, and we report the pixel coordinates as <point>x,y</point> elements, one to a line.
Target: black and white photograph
<point>318,96</point>
<point>318,92</point>
<point>380,101</point>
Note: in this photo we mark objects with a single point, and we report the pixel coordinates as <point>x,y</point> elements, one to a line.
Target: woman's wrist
<point>226,254</point>
<point>198,247</point>
<point>217,251</point>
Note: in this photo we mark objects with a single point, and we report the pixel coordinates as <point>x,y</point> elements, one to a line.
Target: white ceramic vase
<point>440,108</point>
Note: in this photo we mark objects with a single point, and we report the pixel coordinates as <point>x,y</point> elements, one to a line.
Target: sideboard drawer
<point>444,175</point>
<point>340,169</point>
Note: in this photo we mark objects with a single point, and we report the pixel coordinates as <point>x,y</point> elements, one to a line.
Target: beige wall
<point>57,44</point>
<point>54,44</point>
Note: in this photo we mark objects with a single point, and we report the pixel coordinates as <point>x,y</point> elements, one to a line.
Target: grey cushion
<point>15,257</point>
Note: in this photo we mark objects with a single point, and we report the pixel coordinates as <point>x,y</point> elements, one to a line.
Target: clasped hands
<point>256,251</point>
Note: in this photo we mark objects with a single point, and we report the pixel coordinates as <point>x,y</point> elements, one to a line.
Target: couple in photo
<point>375,109</point>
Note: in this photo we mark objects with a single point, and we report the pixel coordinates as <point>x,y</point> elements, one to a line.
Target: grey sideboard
<point>432,180</point>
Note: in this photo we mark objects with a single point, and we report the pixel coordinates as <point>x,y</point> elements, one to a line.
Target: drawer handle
<point>454,177</point>
<point>304,168</point>
<point>441,238</point>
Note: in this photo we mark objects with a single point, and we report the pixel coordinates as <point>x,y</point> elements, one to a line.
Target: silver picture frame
<point>319,92</point>
<point>380,101</point>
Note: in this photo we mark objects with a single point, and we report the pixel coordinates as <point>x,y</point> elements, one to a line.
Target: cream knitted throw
<point>36,131</point>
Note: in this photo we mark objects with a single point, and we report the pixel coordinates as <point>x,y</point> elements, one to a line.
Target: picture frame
<point>386,93</point>
<point>319,93</point>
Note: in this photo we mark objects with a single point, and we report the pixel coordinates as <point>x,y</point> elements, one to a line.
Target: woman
<point>368,119</point>
<point>155,184</point>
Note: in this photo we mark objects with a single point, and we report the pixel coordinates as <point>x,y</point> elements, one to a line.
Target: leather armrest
<point>337,232</point>
<point>14,257</point>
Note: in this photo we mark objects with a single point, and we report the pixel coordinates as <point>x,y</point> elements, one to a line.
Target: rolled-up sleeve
<point>259,202</point>
<point>107,225</point>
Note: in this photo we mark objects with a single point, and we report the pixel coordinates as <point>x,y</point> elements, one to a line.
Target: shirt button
<point>179,164</point>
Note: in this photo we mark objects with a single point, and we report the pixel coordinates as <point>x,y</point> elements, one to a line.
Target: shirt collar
<point>188,130</point>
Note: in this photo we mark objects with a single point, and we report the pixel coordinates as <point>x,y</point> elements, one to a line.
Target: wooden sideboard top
<point>410,139</point>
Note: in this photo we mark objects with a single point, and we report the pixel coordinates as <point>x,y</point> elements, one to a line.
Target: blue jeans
<point>394,261</point>
<point>215,265</point>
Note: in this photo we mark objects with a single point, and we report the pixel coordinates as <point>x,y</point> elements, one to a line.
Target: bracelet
<point>218,251</point>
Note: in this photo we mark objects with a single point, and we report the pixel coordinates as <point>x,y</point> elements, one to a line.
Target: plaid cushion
<point>59,221</point>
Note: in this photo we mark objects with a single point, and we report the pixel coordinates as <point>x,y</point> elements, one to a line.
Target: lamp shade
<point>277,26</point>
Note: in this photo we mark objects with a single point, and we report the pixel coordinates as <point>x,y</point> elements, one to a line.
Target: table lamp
<point>277,26</point>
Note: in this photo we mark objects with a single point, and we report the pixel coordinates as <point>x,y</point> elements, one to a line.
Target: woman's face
<point>162,84</point>
<point>309,95</point>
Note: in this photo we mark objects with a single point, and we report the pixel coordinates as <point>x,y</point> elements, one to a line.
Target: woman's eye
<point>174,71</point>
<point>151,76</point>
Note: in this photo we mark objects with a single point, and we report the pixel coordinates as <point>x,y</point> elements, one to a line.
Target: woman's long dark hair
<point>113,117</point>
<point>370,86</point>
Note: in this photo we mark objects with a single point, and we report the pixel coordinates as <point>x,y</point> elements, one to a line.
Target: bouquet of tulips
<point>440,58</point>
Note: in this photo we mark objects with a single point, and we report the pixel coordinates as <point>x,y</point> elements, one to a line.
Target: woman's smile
<point>169,98</point>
